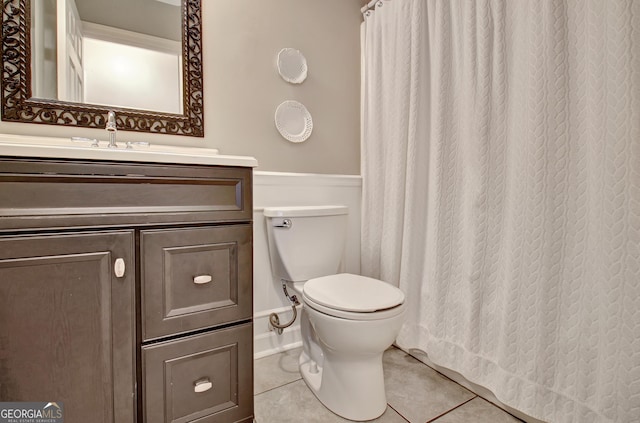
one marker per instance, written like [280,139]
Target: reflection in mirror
[122,53]
[69,62]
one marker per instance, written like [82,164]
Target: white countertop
[64,148]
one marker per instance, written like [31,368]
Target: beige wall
[241,39]
[246,36]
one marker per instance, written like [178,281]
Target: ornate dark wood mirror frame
[19,106]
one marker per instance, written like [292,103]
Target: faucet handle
[111,121]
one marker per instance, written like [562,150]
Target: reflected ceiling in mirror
[77,81]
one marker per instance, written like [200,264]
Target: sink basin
[31,146]
[171,149]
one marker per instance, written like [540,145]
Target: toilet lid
[353,293]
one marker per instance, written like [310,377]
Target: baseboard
[269,344]
[266,341]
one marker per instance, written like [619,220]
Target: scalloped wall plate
[293,121]
[292,65]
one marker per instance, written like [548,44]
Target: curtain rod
[369,6]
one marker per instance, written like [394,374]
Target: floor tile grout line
[459,384]
[500,408]
[398,413]
[449,411]
[437,371]
[276,387]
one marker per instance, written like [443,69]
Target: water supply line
[274,320]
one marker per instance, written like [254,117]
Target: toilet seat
[353,297]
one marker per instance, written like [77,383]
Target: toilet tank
[306,242]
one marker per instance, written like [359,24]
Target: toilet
[347,321]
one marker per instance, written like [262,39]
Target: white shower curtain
[501,165]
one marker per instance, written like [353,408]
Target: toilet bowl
[347,376]
[347,321]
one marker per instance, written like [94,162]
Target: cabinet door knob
[199,280]
[119,268]
[202,385]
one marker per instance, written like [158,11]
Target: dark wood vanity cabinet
[67,323]
[126,290]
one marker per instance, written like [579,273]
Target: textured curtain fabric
[501,165]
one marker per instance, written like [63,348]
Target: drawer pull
[199,280]
[202,385]
[119,267]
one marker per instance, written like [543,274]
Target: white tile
[295,403]
[275,370]
[415,393]
[418,392]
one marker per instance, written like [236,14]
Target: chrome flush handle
[286,224]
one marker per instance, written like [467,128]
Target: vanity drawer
[50,193]
[195,278]
[202,378]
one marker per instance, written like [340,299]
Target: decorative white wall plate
[293,121]
[292,65]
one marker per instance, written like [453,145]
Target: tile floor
[415,393]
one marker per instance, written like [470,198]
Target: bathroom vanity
[126,285]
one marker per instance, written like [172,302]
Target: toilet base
[352,388]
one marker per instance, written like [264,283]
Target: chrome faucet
[112,129]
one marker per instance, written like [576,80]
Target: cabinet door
[67,323]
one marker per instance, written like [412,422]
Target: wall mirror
[69,62]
